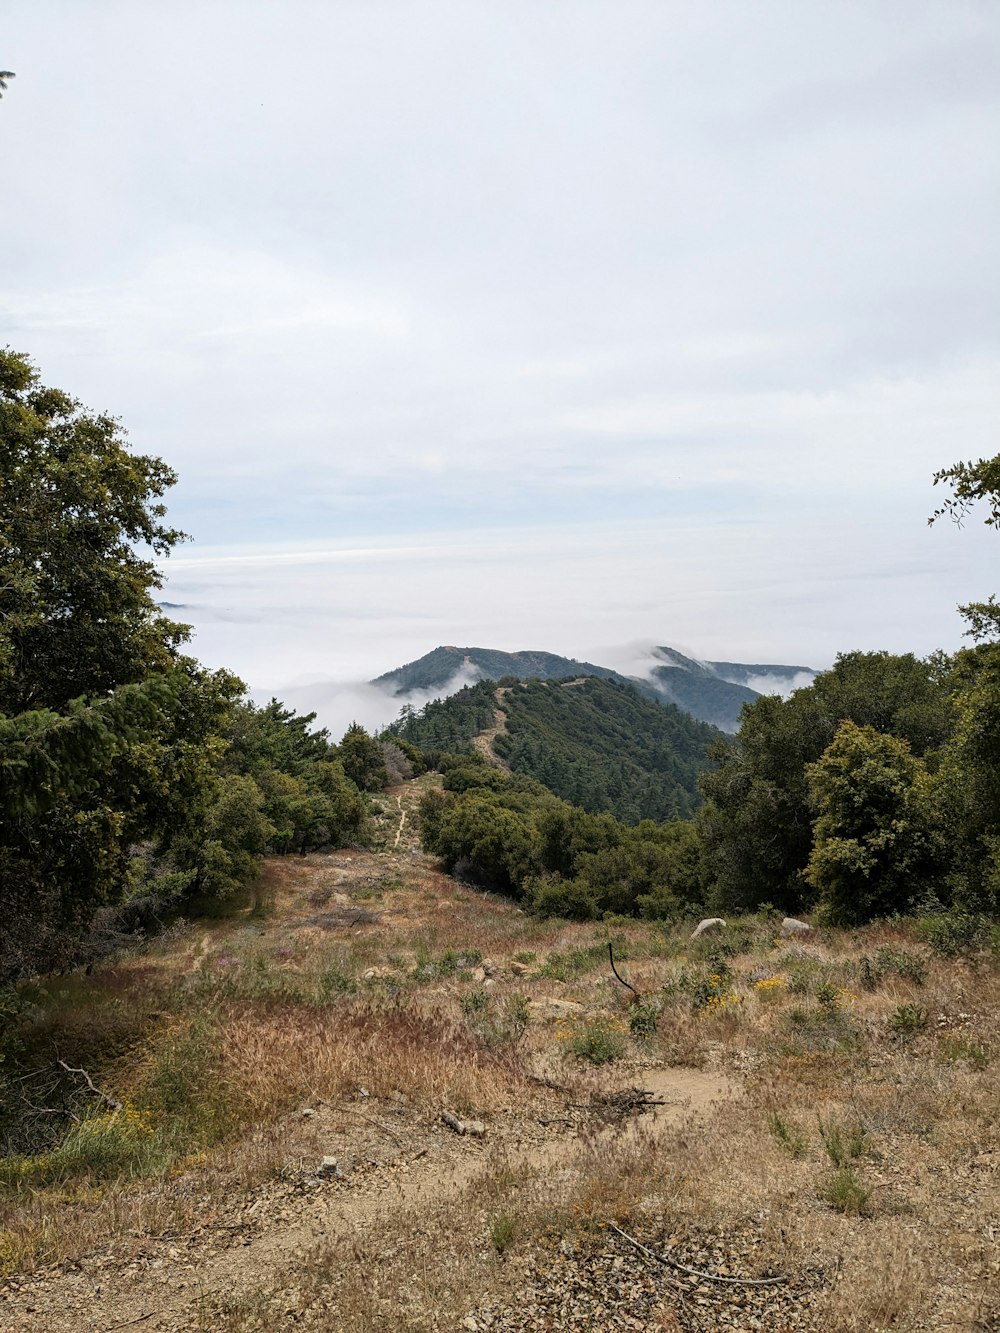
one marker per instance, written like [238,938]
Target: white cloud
[531,324]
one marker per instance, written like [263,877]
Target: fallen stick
[697,1272]
[113,1102]
[377,1123]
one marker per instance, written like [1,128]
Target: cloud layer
[526,325]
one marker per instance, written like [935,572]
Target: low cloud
[339,703]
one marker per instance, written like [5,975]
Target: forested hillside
[435,669]
[597,743]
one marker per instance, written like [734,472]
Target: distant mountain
[713,692]
[596,742]
[436,669]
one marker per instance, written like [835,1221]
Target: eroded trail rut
[168,1285]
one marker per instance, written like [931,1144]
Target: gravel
[600,1280]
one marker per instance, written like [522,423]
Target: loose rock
[792,926]
[710,923]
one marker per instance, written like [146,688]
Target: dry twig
[698,1272]
[113,1102]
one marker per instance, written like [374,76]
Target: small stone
[488,966]
[710,923]
[330,1167]
[307,1113]
[475,1127]
[471,1324]
[519,969]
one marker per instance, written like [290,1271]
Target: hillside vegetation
[594,742]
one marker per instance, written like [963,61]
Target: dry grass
[358,973]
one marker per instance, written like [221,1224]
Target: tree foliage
[878,844]
[757,822]
[77,616]
[128,771]
[513,836]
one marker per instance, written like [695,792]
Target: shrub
[842,1142]
[333,983]
[108,1146]
[643,1018]
[951,933]
[791,1136]
[964,1048]
[475,1001]
[844,1191]
[503,1232]
[908,1020]
[569,898]
[597,1040]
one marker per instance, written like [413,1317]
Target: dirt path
[402,823]
[484,741]
[397,1158]
[165,1288]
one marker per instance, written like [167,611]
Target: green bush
[643,1017]
[908,1020]
[567,898]
[952,933]
[111,1145]
[598,1040]
[843,1190]
[791,1136]
[842,1142]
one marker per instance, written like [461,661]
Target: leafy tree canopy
[77,616]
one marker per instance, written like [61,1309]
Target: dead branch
[611,955]
[113,1102]
[697,1272]
[377,1123]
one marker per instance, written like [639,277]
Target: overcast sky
[524,323]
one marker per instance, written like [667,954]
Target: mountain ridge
[712,692]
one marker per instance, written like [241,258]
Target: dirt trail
[484,741]
[165,1288]
[397,1157]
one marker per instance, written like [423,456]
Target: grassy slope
[357,995]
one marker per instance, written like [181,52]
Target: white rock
[475,1127]
[792,926]
[709,923]
[330,1167]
